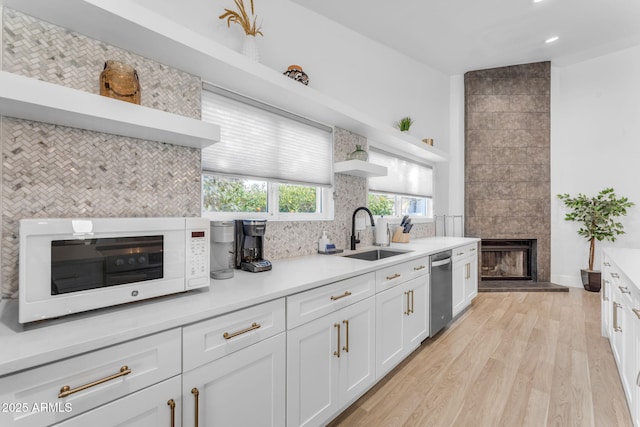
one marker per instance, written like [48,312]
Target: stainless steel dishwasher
[440,300]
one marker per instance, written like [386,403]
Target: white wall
[340,63]
[595,143]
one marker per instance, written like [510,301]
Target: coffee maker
[222,254]
[250,245]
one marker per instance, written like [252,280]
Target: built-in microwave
[72,265]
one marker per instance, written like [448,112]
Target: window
[268,163]
[406,190]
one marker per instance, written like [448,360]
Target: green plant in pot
[598,217]
[404,124]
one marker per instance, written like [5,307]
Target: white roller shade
[403,176]
[260,141]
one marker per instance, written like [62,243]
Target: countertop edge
[25,347]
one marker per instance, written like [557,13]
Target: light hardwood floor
[513,359]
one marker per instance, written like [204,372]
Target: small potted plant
[598,217]
[404,124]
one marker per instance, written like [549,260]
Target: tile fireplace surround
[507,159]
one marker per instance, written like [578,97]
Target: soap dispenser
[323,242]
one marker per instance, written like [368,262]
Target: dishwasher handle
[440,262]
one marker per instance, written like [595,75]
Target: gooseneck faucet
[355,240]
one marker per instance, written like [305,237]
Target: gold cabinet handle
[337,352]
[604,297]
[67,390]
[172,405]
[421,267]
[616,327]
[393,276]
[228,336]
[346,294]
[411,291]
[615,275]
[196,394]
[472,249]
[638,379]
[408,312]
[606,264]
[636,311]
[346,344]
[624,289]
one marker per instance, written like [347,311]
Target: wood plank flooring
[512,359]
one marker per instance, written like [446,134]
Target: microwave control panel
[198,256]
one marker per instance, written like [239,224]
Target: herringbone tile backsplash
[54,171]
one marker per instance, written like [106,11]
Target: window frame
[416,219]
[325,202]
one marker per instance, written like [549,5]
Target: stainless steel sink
[376,254]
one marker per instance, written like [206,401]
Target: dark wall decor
[507,159]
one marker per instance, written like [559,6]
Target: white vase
[250,48]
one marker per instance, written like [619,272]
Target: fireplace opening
[508,259]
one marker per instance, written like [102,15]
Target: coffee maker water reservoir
[222,255]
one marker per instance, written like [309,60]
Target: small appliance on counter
[250,245]
[223,249]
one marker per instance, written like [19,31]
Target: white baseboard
[566,280]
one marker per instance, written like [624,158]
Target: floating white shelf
[31,99]
[140,30]
[359,168]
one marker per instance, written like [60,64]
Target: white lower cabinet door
[417,322]
[391,309]
[312,371]
[357,368]
[471,284]
[158,405]
[245,388]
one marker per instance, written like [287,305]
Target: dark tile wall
[507,159]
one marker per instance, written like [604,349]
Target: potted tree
[598,217]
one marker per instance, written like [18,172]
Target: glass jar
[359,154]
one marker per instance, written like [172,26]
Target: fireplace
[508,259]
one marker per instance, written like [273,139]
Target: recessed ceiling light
[551,40]
[537,1]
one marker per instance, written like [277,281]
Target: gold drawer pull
[615,275]
[228,336]
[196,395]
[606,264]
[172,405]
[66,390]
[422,267]
[624,289]
[459,253]
[636,311]
[616,327]
[394,276]
[346,294]
[346,346]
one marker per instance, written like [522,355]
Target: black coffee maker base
[256,266]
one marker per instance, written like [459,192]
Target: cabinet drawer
[391,276]
[309,305]
[148,407]
[464,251]
[150,360]
[215,338]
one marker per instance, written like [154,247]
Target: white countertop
[628,261]
[26,346]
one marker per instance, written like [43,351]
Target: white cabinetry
[465,277]
[621,324]
[235,368]
[87,381]
[402,312]
[330,359]
[402,322]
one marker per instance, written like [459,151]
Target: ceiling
[455,36]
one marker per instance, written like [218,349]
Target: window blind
[403,176]
[257,140]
